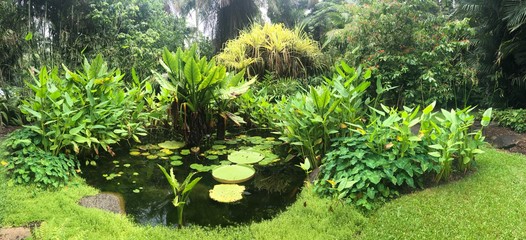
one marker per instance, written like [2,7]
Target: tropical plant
[288,12]
[83,111]
[28,163]
[193,82]
[181,191]
[398,150]
[499,48]
[272,48]
[452,140]
[229,89]
[308,121]
[256,107]
[512,118]
[196,84]
[9,111]
[412,49]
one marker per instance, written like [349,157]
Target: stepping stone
[15,233]
[506,141]
[111,202]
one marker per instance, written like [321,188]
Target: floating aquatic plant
[166,151]
[245,157]
[202,168]
[227,193]
[135,153]
[212,157]
[218,147]
[176,163]
[233,173]
[171,145]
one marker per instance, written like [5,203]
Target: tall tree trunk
[232,18]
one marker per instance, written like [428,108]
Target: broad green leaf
[436,146]
[429,108]
[486,117]
[191,73]
[435,154]
[188,187]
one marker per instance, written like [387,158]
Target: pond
[148,195]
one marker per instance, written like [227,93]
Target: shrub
[272,48]
[376,161]
[414,51]
[512,118]
[9,112]
[83,111]
[28,163]
[309,120]
[202,89]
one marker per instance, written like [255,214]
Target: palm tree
[224,18]
[500,48]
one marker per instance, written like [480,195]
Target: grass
[489,204]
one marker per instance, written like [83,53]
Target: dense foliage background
[85,75]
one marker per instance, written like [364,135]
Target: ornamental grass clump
[272,48]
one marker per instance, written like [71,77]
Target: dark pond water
[148,195]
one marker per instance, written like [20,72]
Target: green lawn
[489,204]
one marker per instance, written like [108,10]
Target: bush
[202,89]
[512,118]
[85,111]
[412,50]
[9,112]
[309,120]
[272,48]
[28,163]
[375,162]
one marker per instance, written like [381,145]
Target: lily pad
[166,151]
[145,154]
[135,174]
[135,153]
[202,168]
[136,191]
[151,157]
[176,157]
[225,162]
[233,173]
[245,157]
[212,157]
[171,145]
[218,147]
[185,152]
[176,163]
[227,193]
[127,165]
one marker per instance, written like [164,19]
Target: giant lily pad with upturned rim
[171,145]
[227,193]
[233,173]
[245,157]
